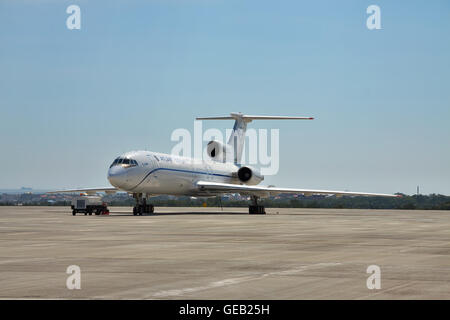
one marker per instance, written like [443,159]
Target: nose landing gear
[141,206]
[141,209]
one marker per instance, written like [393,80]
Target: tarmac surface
[206,253]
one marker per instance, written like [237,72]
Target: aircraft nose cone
[117,176]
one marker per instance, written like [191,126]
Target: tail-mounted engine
[249,175]
[218,151]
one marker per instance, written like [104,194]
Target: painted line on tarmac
[234,281]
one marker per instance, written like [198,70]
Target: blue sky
[72,100]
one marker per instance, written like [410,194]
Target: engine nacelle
[218,151]
[249,175]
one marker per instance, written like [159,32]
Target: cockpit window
[125,162]
[116,161]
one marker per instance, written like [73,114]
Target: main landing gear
[141,206]
[254,208]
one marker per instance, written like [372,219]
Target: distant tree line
[422,202]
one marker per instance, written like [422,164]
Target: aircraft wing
[88,190]
[265,191]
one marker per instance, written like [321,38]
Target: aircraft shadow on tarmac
[331,214]
[123,214]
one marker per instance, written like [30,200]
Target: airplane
[145,173]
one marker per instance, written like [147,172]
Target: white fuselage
[155,173]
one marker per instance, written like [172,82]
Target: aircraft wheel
[256,210]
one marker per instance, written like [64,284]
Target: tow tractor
[89,204]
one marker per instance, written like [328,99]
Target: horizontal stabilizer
[248,118]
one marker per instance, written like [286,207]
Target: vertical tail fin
[237,138]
